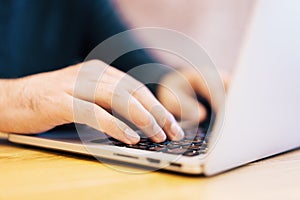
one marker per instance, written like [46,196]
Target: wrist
[11,90]
[11,103]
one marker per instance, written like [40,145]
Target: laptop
[261,108]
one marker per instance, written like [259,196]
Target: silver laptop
[261,109]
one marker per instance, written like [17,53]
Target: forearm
[19,105]
[12,103]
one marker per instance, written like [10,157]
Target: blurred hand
[178,93]
[40,102]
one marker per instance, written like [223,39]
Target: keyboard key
[176,151]
[193,144]
[191,153]
[157,148]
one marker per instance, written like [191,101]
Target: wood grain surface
[34,173]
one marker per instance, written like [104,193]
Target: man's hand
[40,102]
[178,92]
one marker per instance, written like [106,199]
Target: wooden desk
[32,173]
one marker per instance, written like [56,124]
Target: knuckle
[119,94]
[95,62]
[142,89]
[159,112]
[162,116]
[144,121]
[164,119]
[107,92]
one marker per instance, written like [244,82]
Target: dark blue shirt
[38,36]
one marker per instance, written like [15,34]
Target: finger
[163,117]
[96,117]
[113,81]
[131,109]
[191,109]
[109,90]
[145,111]
[199,83]
[183,104]
[191,82]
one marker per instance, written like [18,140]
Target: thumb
[186,107]
[190,108]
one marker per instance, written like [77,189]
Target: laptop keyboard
[192,144]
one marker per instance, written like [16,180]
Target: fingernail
[157,134]
[132,135]
[159,137]
[177,131]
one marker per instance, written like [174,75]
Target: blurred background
[217,25]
